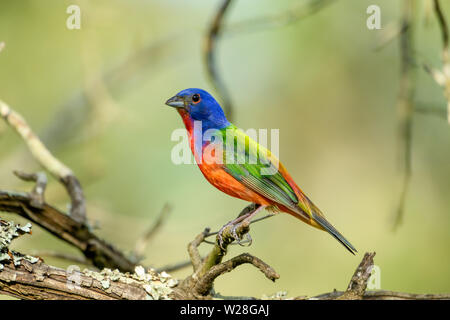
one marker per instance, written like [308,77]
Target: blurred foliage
[319,81]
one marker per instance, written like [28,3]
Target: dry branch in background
[211,39]
[405,103]
[59,170]
[71,228]
[121,79]
[442,77]
[406,106]
[298,11]
[63,256]
[217,29]
[424,108]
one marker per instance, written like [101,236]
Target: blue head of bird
[198,105]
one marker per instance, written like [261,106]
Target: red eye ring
[196,98]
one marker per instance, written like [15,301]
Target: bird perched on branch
[237,165]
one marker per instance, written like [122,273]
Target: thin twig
[204,285]
[217,28]
[37,194]
[435,111]
[297,12]
[444,28]
[175,266]
[63,256]
[144,240]
[442,78]
[210,46]
[59,170]
[405,104]
[121,79]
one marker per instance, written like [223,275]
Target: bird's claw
[220,240]
[249,239]
[220,235]
[237,238]
[234,234]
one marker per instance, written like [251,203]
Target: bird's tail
[325,225]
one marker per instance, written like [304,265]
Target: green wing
[250,163]
[249,159]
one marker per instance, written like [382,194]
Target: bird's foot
[220,234]
[238,238]
[235,225]
[241,222]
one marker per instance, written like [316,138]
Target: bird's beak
[176,102]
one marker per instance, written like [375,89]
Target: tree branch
[59,170]
[38,281]
[27,277]
[204,285]
[100,253]
[199,285]
[358,283]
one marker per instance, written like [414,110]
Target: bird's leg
[246,222]
[230,223]
[244,216]
[248,209]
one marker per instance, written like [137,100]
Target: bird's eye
[196,98]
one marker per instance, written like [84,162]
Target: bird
[246,169]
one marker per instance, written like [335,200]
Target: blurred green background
[319,80]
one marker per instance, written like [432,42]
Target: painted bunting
[237,165]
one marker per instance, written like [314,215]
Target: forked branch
[44,157]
